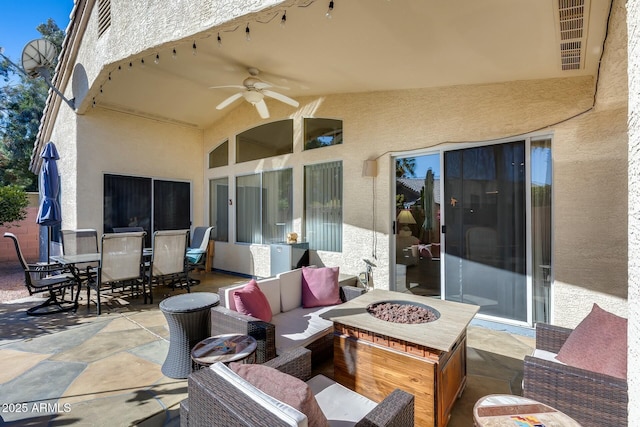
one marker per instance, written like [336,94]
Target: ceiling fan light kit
[253,91]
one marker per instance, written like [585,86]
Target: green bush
[13,204]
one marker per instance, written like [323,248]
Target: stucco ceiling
[367,45]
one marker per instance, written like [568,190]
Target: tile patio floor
[87,370]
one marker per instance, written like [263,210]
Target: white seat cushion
[341,406]
[546,355]
[290,289]
[291,416]
[300,327]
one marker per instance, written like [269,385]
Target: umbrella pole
[48,244]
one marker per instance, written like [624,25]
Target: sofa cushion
[269,287]
[289,415]
[341,406]
[598,344]
[300,327]
[251,301]
[320,286]
[290,289]
[285,388]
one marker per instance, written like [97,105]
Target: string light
[219,40]
[194,49]
[130,66]
[110,74]
[328,15]
[157,60]
[142,62]
[100,89]
[174,54]
[247,33]
[283,21]
[93,103]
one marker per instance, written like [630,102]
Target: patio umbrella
[49,211]
[427,201]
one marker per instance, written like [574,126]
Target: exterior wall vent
[571,21]
[104,16]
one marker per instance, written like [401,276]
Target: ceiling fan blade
[280,97]
[262,85]
[229,100]
[261,106]
[227,86]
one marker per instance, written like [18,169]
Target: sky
[19,19]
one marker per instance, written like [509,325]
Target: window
[218,208]
[271,139]
[323,206]
[131,201]
[322,133]
[219,156]
[264,206]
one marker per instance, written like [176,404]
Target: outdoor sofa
[289,324]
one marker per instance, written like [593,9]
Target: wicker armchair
[225,321]
[213,401]
[590,398]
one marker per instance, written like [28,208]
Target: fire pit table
[428,358]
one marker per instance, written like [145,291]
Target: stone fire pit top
[440,335]
[403,312]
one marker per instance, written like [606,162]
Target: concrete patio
[84,369]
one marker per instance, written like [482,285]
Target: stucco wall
[111,142]
[633,22]
[376,125]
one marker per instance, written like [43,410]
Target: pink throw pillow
[251,301]
[286,388]
[598,344]
[320,286]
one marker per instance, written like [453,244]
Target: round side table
[188,319]
[507,410]
[224,348]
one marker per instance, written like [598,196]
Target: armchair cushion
[251,301]
[285,388]
[320,286]
[598,344]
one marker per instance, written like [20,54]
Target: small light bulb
[157,60]
[247,33]
[110,74]
[194,49]
[142,62]
[93,103]
[330,10]
[100,89]
[130,66]
[174,54]
[283,21]
[219,40]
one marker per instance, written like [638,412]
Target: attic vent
[104,16]
[571,20]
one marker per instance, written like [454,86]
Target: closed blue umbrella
[49,211]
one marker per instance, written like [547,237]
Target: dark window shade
[171,205]
[128,202]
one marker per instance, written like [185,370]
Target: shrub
[13,204]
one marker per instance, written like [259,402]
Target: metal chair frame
[47,277]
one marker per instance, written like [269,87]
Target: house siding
[633,23]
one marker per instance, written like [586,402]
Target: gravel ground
[12,282]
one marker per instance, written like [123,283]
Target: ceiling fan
[254,91]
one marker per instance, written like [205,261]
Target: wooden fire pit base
[374,365]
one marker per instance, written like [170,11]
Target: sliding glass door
[485,247]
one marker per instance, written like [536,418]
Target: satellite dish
[37,56]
